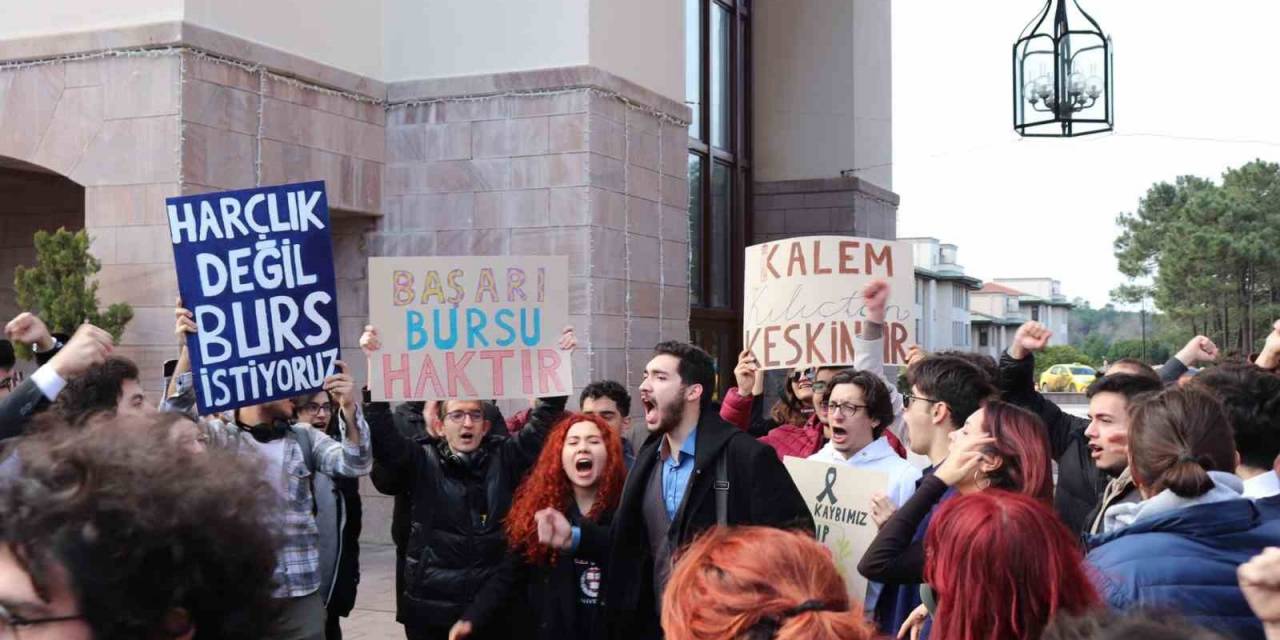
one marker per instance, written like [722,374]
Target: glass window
[983,338]
[721,71]
[695,229]
[719,261]
[1035,312]
[693,12]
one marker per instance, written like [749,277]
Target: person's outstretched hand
[87,348]
[1030,338]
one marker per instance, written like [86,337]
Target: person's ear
[625,421]
[941,413]
[990,464]
[693,392]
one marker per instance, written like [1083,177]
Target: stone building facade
[544,127]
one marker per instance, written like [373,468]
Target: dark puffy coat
[1185,561]
[760,493]
[457,505]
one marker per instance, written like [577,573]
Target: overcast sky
[1014,207]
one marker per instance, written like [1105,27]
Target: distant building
[1002,305]
[941,297]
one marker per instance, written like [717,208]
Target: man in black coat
[1091,453]
[670,494]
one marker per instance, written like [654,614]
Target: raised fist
[875,296]
[1199,349]
[746,373]
[1030,338]
[88,348]
[28,328]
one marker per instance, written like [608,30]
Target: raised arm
[353,457]
[869,345]
[1017,386]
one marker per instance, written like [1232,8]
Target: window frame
[707,322]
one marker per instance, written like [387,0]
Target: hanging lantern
[1062,75]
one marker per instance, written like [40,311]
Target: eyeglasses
[803,374]
[460,417]
[315,407]
[908,399]
[10,620]
[819,387]
[847,410]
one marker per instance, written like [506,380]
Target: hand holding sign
[881,508]
[747,373]
[341,386]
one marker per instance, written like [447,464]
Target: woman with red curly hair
[1001,566]
[580,473]
[758,583]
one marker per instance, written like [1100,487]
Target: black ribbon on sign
[827,492]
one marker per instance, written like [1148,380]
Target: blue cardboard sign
[255,267]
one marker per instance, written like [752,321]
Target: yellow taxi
[1070,378]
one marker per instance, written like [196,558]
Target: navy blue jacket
[1185,561]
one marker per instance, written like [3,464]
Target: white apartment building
[942,296]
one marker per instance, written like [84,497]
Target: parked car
[1069,378]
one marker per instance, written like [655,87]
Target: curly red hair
[759,582]
[547,486]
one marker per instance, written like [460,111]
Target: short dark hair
[142,529]
[1128,385]
[1147,371]
[696,366]
[875,393]
[7,359]
[1251,397]
[952,380]
[610,389]
[985,363]
[98,389]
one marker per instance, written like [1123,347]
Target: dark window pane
[693,63]
[720,73]
[719,263]
[695,229]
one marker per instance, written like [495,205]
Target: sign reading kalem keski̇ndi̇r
[469,327]
[255,267]
[804,299]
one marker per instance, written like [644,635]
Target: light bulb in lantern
[1044,88]
[1094,87]
[1030,92]
[1075,83]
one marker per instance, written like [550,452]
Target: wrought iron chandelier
[1062,75]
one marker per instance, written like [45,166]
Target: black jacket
[564,599]
[456,540]
[1080,482]
[760,493]
[342,598]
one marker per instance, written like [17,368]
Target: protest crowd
[1001,516]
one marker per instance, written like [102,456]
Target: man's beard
[672,414]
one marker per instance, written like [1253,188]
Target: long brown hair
[546,486]
[1176,437]
[789,409]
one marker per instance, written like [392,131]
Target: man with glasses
[859,412]
[461,482]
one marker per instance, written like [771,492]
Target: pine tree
[60,287]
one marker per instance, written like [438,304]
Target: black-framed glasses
[846,409]
[908,399]
[460,417]
[10,620]
[316,407]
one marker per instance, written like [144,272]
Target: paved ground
[375,612]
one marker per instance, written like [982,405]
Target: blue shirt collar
[688,448]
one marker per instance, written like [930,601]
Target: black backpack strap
[722,488]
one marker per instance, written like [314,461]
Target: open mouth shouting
[1095,450]
[839,435]
[650,409]
[584,466]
